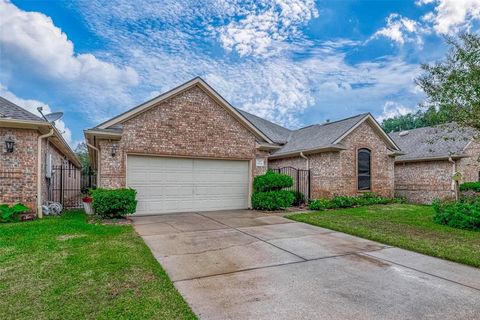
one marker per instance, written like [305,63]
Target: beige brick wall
[422,182]
[260,155]
[18,170]
[470,167]
[336,172]
[190,124]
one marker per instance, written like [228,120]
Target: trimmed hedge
[268,193]
[271,181]
[111,203]
[272,200]
[462,214]
[365,199]
[470,186]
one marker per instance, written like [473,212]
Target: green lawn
[65,268]
[403,225]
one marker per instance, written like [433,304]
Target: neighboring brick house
[22,177]
[345,157]
[432,156]
[190,150]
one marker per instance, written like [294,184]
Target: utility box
[48,166]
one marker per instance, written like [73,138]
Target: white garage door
[166,185]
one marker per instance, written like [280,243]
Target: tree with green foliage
[453,85]
[82,153]
[419,119]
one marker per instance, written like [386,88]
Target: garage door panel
[166,185]
[224,190]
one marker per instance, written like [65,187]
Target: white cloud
[170,44]
[32,105]
[451,16]
[394,109]
[32,46]
[261,32]
[400,29]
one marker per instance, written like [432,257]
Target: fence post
[61,185]
[309,185]
[298,180]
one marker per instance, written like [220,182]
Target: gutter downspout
[39,171]
[454,183]
[98,160]
[306,158]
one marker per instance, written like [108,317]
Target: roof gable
[114,122]
[371,120]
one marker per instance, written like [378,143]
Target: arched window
[364,169]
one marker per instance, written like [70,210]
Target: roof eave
[23,124]
[439,158]
[102,134]
[267,146]
[44,127]
[329,148]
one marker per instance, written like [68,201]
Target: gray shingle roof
[276,133]
[10,110]
[319,135]
[432,142]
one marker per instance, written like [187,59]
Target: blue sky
[291,61]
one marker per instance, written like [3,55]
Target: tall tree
[453,85]
[419,119]
[82,153]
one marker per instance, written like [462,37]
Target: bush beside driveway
[65,268]
[403,225]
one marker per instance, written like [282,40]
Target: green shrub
[365,199]
[345,202]
[299,197]
[114,203]
[272,200]
[271,181]
[11,213]
[470,186]
[463,214]
[321,204]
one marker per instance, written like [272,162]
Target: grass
[65,268]
[403,225]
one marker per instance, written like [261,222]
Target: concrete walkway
[248,265]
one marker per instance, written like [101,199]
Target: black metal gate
[67,184]
[301,181]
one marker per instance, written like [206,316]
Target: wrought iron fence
[67,184]
[301,181]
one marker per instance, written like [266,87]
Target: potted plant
[87,204]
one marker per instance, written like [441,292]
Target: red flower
[87,199]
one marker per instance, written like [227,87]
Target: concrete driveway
[248,265]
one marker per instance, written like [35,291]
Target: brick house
[190,150]
[432,156]
[30,147]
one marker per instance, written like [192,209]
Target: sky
[293,62]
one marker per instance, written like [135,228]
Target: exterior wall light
[9,145]
[114,150]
